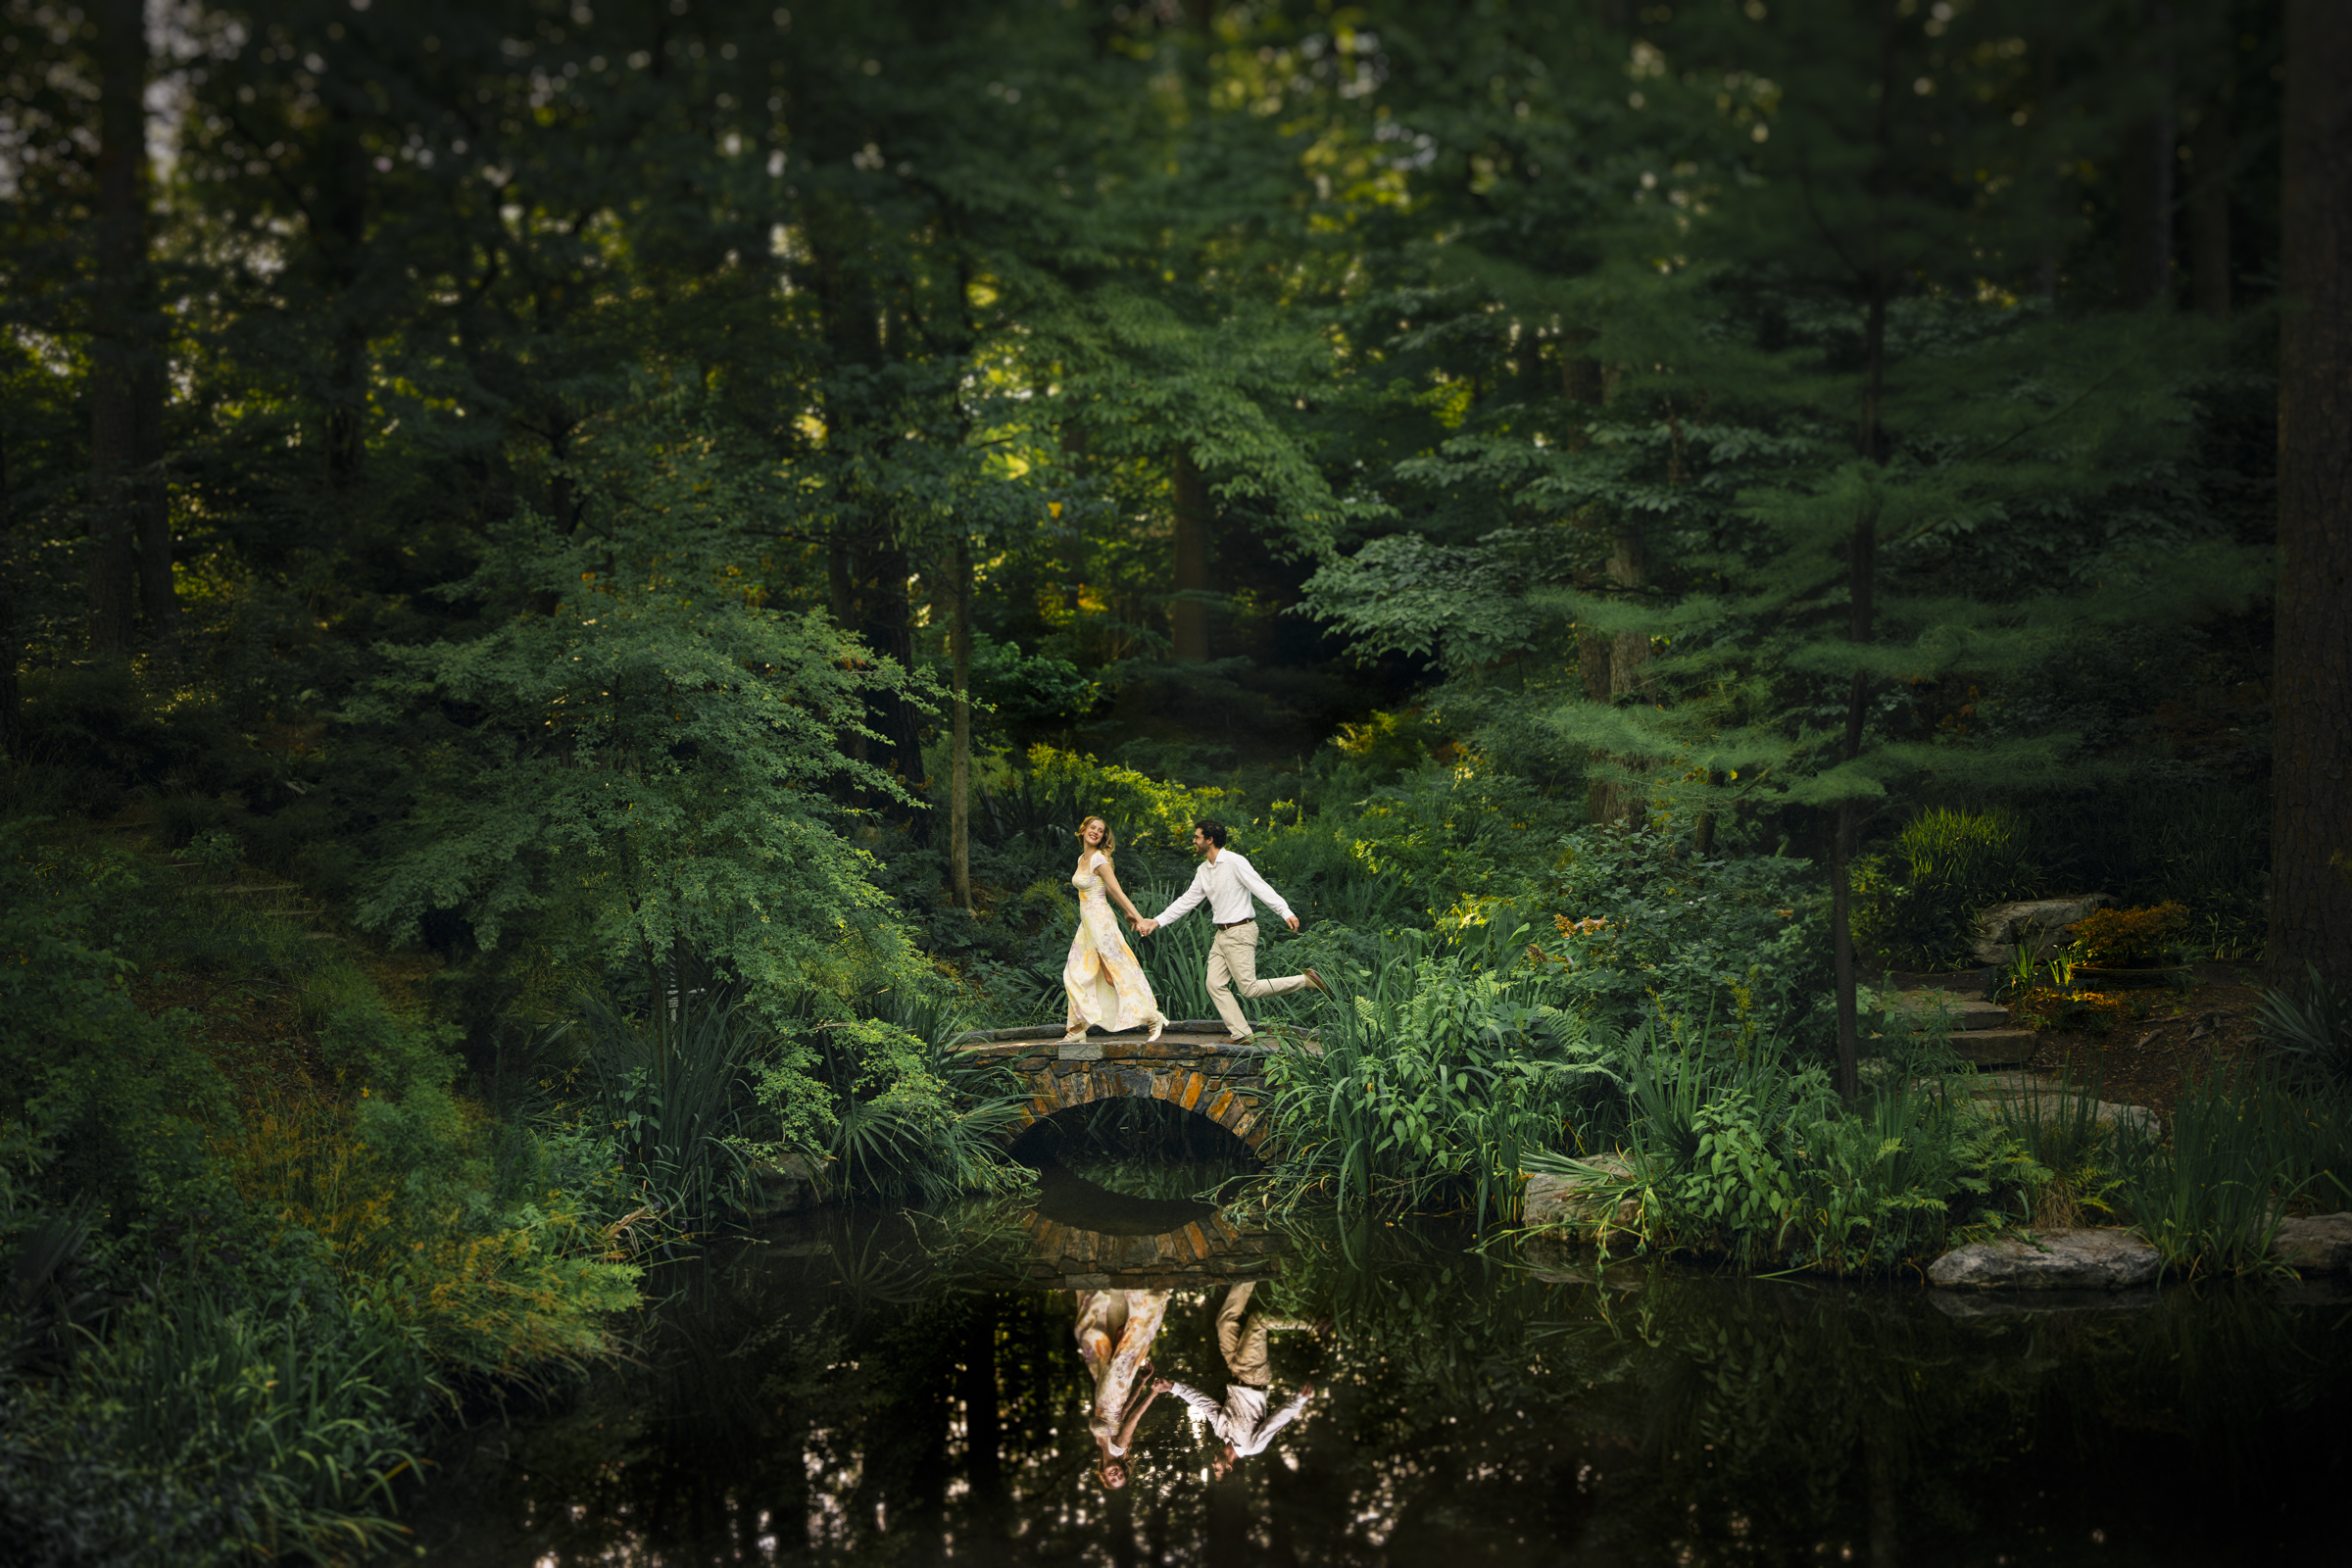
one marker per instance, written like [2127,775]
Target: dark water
[902,1388]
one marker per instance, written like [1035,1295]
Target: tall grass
[1435,1080]
[208,1433]
[935,1122]
[2211,1197]
[1731,1150]
[671,1076]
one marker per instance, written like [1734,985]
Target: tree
[640,770]
[2311,833]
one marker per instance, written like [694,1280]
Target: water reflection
[894,1388]
[1115,1331]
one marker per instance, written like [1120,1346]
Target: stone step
[1957,1011]
[2050,1099]
[1995,1048]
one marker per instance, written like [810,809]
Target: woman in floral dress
[1115,1331]
[1107,986]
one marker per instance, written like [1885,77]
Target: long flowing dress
[1115,1331]
[1107,986]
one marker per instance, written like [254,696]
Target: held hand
[1291,921]
[1161,1385]
[1145,928]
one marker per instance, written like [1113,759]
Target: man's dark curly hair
[1214,832]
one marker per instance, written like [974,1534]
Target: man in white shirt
[1246,1420]
[1227,882]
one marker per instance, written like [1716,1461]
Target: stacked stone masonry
[1207,1252]
[1187,1067]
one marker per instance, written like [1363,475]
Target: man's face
[1199,842]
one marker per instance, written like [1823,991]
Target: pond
[860,1386]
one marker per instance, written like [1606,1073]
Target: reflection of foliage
[1464,1404]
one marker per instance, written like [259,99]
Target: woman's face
[1114,1474]
[1093,831]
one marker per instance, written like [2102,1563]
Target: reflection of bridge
[1208,1252]
[1191,1066]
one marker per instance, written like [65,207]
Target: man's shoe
[1315,982]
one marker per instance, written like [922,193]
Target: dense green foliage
[1572,486]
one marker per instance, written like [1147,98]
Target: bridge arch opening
[1126,1130]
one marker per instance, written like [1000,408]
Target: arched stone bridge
[1192,1065]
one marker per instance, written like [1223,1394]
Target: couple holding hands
[1107,986]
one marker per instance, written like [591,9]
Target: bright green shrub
[1630,925]
[1436,1079]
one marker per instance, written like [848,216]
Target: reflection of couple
[1107,986]
[1115,1331]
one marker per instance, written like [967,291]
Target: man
[1242,1420]
[1227,882]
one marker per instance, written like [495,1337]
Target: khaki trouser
[1242,1336]
[1233,967]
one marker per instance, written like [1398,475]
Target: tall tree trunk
[341,219]
[1188,616]
[959,770]
[12,695]
[1861,584]
[1628,572]
[2209,212]
[158,599]
[2143,264]
[116,351]
[2311,813]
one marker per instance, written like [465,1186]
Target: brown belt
[1227,925]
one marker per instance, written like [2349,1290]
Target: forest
[570,569]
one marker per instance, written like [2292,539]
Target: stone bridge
[1193,1066]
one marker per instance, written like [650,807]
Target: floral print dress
[1107,986]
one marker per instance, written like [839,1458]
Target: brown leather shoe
[1315,982]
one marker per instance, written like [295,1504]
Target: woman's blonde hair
[1110,840]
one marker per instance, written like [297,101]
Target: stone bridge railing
[1193,1066]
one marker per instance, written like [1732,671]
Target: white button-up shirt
[1241,1420]
[1226,882]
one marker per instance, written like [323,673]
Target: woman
[1115,1331]
[1107,986]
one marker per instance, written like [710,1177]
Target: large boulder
[2319,1244]
[2061,1260]
[783,1186]
[1583,1203]
[2035,924]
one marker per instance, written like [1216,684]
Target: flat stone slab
[1996,1047]
[1921,1008]
[2317,1243]
[2055,1260]
[2048,1100]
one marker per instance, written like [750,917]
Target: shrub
[1916,902]
[2211,1196]
[2152,933]
[1632,923]
[1436,1079]
[210,1434]
[2315,1032]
